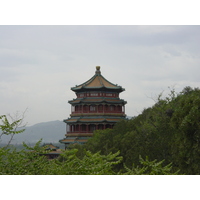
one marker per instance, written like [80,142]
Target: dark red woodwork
[97,107]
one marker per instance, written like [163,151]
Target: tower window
[92,108]
[93,94]
[111,108]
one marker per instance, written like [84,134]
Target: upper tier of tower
[97,83]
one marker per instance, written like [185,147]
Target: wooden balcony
[97,112]
[80,134]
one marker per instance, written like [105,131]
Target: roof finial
[98,70]
[98,67]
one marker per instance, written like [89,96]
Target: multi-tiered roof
[97,83]
[97,106]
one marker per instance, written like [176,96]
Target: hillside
[168,132]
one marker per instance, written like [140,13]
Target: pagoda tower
[97,106]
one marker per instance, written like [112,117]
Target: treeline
[163,139]
[169,131]
[20,146]
[34,160]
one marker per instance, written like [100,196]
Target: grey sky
[39,64]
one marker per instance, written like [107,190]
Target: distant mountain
[51,131]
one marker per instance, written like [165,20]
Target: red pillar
[79,128]
[70,128]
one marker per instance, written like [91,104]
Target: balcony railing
[85,112]
[72,132]
[79,133]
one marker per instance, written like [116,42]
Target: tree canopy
[169,131]
[163,139]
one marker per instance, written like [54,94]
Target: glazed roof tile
[97,82]
[84,100]
[93,119]
[72,120]
[73,140]
[68,140]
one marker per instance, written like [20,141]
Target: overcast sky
[39,65]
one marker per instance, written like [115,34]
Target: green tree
[169,131]
[32,161]
[186,124]
[151,168]
[12,128]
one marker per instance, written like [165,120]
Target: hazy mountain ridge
[51,131]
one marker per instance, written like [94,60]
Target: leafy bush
[169,131]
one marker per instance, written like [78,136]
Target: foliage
[22,162]
[33,161]
[10,128]
[169,131]
[186,123]
[90,164]
[166,134]
[151,168]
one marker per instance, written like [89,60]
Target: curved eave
[93,120]
[99,83]
[74,138]
[103,88]
[72,141]
[96,101]
[77,87]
